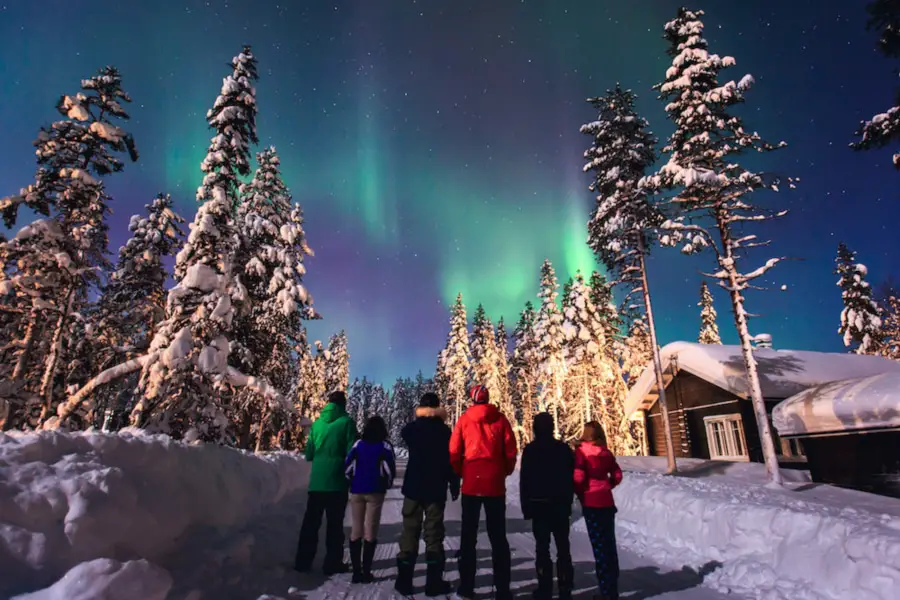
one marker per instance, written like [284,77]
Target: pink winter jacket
[596,474]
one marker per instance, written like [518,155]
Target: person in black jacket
[428,475]
[546,489]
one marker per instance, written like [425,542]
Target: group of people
[472,462]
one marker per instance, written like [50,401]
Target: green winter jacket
[330,439]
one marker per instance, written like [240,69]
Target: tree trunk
[740,321]
[657,363]
[30,335]
[260,434]
[46,391]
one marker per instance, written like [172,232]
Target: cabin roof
[842,406]
[782,373]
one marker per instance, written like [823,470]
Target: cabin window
[791,448]
[725,434]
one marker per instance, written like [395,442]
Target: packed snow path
[640,579]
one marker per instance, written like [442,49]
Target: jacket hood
[487,413]
[332,412]
[427,411]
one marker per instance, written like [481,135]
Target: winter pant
[552,523]
[601,527]
[333,505]
[365,513]
[414,513]
[495,516]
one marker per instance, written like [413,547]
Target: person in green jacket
[330,439]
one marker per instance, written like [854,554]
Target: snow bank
[67,498]
[107,579]
[767,544]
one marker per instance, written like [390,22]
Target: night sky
[434,145]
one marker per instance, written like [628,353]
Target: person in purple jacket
[370,467]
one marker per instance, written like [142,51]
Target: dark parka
[428,472]
[545,478]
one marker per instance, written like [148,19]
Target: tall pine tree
[525,372]
[55,261]
[337,363]
[884,128]
[861,316]
[625,221]
[454,361]
[710,198]
[709,330]
[504,399]
[549,336]
[485,355]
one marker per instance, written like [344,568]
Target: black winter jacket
[546,477]
[428,472]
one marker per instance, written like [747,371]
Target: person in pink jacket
[596,474]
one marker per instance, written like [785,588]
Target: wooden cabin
[850,430]
[710,412]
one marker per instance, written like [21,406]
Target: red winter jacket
[483,451]
[596,474]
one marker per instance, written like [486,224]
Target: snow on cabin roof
[782,373]
[849,405]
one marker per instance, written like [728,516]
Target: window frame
[725,437]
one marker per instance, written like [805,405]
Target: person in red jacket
[483,452]
[596,474]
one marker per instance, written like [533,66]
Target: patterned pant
[601,526]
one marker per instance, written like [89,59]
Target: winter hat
[338,397]
[429,400]
[479,394]
[543,425]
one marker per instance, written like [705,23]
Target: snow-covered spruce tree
[133,302]
[525,372]
[134,299]
[269,263]
[602,297]
[549,336]
[624,224]
[403,403]
[709,188]
[57,259]
[337,365]
[861,316]
[890,330]
[636,350]
[884,128]
[186,378]
[504,395]
[583,348]
[454,361]
[361,402]
[485,355]
[709,330]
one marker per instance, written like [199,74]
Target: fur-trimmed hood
[427,411]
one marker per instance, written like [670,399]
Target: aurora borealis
[434,144]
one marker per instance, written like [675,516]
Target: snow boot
[544,589]
[356,560]
[565,580]
[368,555]
[434,576]
[405,569]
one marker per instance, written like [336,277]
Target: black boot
[405,569]
[434,575]
[368,555]
[356,560]
[544,589]
[565,579]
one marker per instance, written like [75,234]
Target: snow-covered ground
[804,543]
[143,517]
